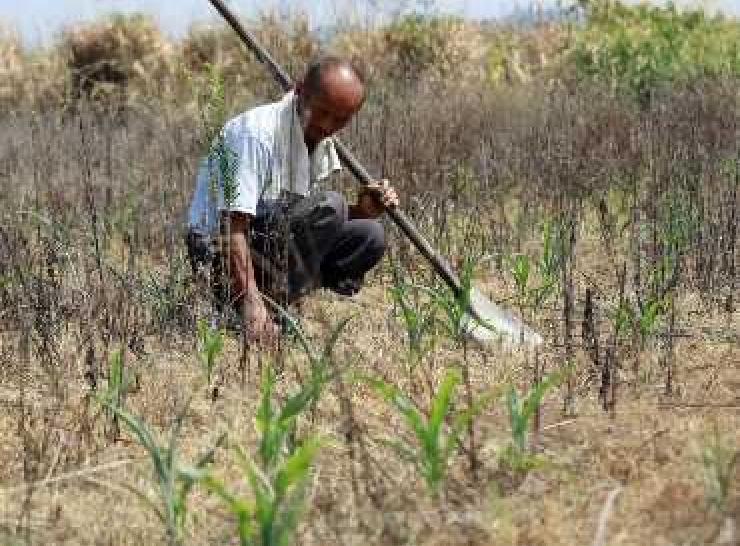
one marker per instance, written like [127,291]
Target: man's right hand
[257,323]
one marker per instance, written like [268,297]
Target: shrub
[290,43]
[418,48]
[120,52]
[515,56]
[640,48]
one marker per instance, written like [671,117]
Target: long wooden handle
[401,220]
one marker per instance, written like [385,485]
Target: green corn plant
[210,346]
[623,318]
[521,410]
[642,321]
[270,519]
[174,480]
[433,447]
[118,380]
[279,472]
[454,306]
[418,316]
[279,478]
[648,320]
[277,427]
[522,268]
[551,261]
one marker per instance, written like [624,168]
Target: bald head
[332,91]
[333,75]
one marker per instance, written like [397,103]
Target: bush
[639,49]
[515,56]
[419,48]
[122,52]
[290,43]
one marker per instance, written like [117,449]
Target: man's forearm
[240,260]
[242,271]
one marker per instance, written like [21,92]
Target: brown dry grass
[648,449]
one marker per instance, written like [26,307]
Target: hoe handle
[401,220]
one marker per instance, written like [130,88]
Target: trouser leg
[199,251]
[358,248]
[330,250]
[312,242]
[305,231]
[205,261]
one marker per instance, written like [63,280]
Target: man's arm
[256,319]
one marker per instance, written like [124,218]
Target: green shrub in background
[637,49]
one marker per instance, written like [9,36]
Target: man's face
[327,111]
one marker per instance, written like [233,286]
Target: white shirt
[263,153]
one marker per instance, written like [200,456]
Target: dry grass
[649,449]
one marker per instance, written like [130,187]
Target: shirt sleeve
[243,164]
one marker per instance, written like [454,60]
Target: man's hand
[373,198]
[258,324]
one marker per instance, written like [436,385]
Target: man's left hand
[374,198]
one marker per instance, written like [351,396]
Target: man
[257,201]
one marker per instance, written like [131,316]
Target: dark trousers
[301,244]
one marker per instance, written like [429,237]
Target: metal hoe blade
[489,324]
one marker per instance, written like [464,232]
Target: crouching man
[258,219]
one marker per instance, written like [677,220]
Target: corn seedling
[522,268]
[271,517]
[642,321]
[279,478]
[522,410]
[418,316]
[434,447]
[174,480]
[277,427]
[118,380]
[210,346]
[454,306]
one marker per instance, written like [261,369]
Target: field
[600,204]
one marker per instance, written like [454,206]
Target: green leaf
[439,410]
[405,406]
[296,467]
